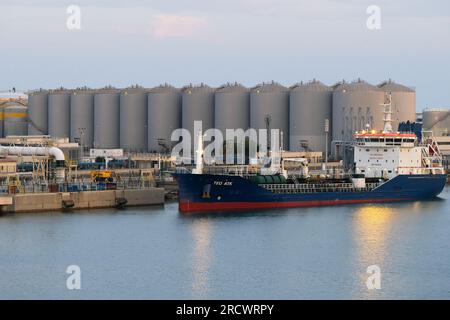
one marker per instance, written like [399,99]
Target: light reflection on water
[303,253]
[201,256]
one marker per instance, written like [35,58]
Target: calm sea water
[157,253]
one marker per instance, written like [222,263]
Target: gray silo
[436,120]
[356,107]
[59,113]
[38,113]
[232,107]
[164,116]
[403,102]
[133,119]
[15,119]
[106,119]
[82,117]
[310,105]
[197,105]
[269,104]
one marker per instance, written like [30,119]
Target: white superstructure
[384,155]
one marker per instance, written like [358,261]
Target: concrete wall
[33,202]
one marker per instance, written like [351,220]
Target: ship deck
[315,188]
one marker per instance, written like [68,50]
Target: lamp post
[327,129]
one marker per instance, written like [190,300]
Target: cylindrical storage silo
[133,119]
[82,117]
[436,120]
[232,108]
[164,116]
[38,113]
[106,119]
[3,104]
[59,113]
[197,105]
[356,106]
[15,119]
[403,102]
[309,108]
[269,107]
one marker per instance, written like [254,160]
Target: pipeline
[40,151]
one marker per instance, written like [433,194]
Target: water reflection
[201,256]
[371,230]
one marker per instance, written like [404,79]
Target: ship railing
[231,170]
[314,188]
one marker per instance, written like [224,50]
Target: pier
[56,201]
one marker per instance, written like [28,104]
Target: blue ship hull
[205,192]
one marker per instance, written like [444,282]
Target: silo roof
[269,87]
[164,88]
[232,87]
[313,85]
[390,85]
[135,89]
[200,87]
[358,85]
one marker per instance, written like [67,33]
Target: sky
[121,43]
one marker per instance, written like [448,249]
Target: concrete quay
[35,202]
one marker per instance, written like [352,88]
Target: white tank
[197,105]
[436,120]
[232,107]
[356,106]
[270,102]
[164,116]
[133,119]
[309,106]
[403,102]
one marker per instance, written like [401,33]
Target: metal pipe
[41,151]
[30,151]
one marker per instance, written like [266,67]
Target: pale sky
[211,41]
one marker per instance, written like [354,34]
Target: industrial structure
[357,106]
[311,115]
[232,107]
[133,119]
[164,116]
[82,117]
[310,107]
[38,112]
[59,113]
[269,109]
[106,118]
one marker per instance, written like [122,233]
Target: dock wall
[33,202]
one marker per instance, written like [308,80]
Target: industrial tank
[106,119]
[59,113]
[82,117]
[356,106]
[133,119]
[15,119]
[403,102]
[310,106]
[164,116]
[232,107]
[197,105]
[269,104]
[437,121]
[38,113]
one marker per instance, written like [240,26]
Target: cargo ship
[387,167]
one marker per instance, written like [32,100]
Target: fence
[32,187]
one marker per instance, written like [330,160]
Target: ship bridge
[374,139]
[387,154]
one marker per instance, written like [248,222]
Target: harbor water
[158,253]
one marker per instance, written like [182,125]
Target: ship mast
[387,113]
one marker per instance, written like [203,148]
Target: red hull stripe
[187,206]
